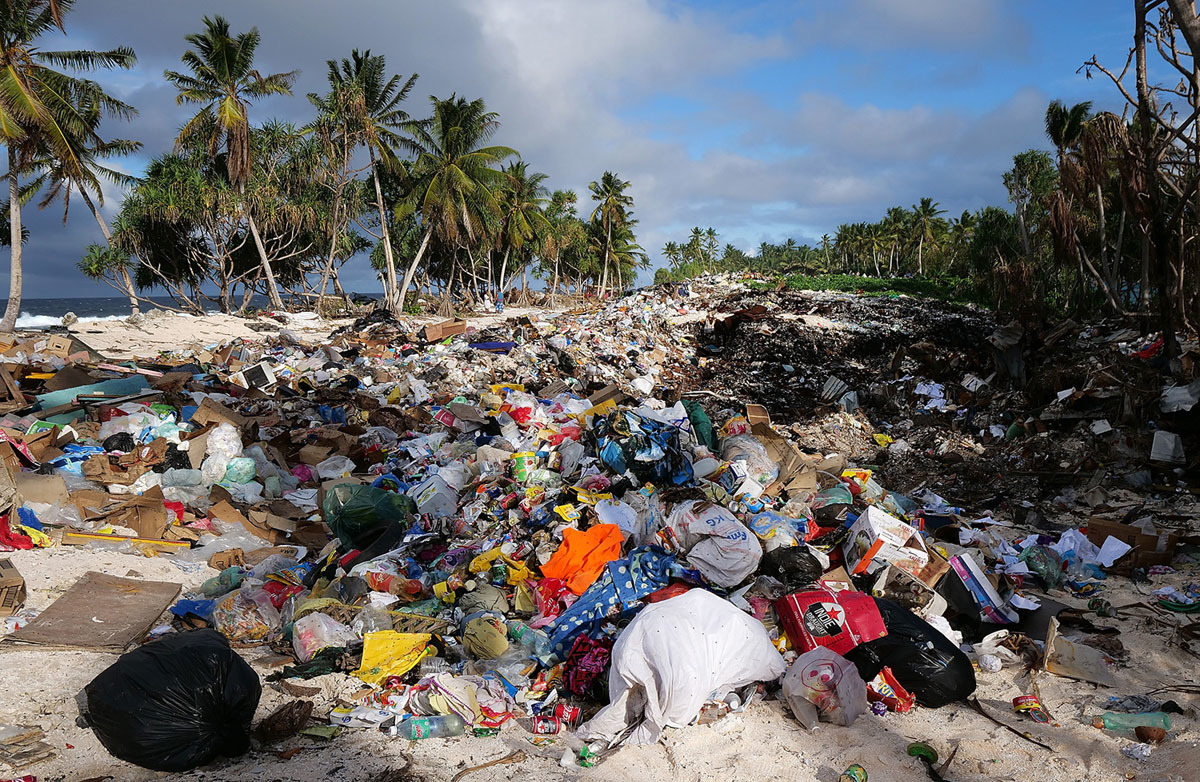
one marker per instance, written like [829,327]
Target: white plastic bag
[674,656]
[314,632]
[822,684]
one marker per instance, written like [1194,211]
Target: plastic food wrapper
[175,704]
[674,656]
[821,684]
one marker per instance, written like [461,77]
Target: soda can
[523,549]
[855,773]
[568,714]
[482,732]
[499,573]
[546,726]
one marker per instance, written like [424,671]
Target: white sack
[674,656]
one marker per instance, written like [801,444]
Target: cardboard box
[993,608]
[436,332]
[12,588]
[1148,550]
[879,539]
[838,621]
[58,345]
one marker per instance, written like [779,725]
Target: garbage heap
[538,526]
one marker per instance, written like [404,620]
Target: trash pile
[547,526]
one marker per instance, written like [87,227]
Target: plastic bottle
[535,641]
[438,727]
[1151,719]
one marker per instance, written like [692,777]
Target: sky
[765,120]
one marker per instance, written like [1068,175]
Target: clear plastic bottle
[437,727]
[1151,719]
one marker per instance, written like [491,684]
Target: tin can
[523,464]
[546,726]
[1029,704]
[568,714]
[1101,606]
[855,773]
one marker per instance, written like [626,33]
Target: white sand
[764,743]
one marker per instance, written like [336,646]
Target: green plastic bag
[701,425]
[359,514]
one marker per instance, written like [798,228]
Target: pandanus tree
[44,111]
[224,82]
[455,179]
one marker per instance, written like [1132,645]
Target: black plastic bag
[175,704]
[925,662]
[793,566]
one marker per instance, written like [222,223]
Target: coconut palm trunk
[268,272]
[13,310]
[392,297]
[412,268]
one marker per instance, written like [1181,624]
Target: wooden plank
[100,612]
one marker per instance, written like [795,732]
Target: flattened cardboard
[1076,661]
[100,612]
[48,489]
[227,559]
[211,411]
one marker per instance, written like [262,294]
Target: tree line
[239,208]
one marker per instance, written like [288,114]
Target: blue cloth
[615,595]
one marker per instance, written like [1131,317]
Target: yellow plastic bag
[389,653]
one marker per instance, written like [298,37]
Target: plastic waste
[175,704]
[358,514]
[313,632]
[437,727]
[821,684]
[1127,722]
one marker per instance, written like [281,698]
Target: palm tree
[43,111]
[370,99]
[522,201]
[224,81]
[671,252]
[83,171]
[612,210]
[927,224]
[1065,126]
[454,180]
